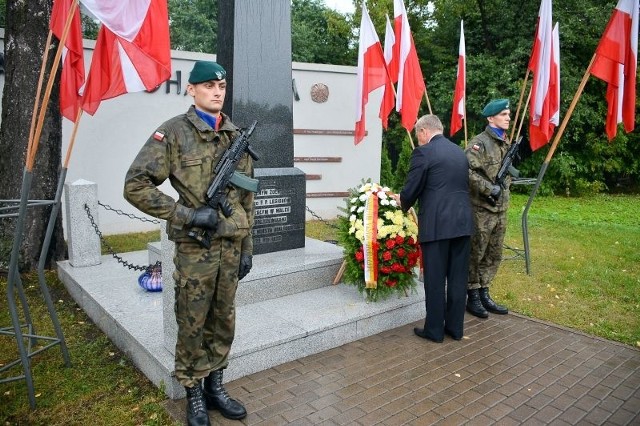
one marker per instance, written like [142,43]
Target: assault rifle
[506,167]
[225,174]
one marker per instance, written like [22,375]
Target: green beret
[205,71]
[495,107]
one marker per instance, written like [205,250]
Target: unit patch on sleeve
[476,147]
[159,136]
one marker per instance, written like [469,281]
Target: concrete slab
[299,313]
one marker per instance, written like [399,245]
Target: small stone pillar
[82,240]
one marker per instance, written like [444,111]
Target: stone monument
[254,46]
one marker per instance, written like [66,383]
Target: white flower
[352,218]
[353,208]
[354,200]
[366,187]
[386,189]
[363,197]
[384,202]
[393,203]
[360,209]
[382,195]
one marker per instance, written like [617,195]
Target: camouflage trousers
[486,246]
[205,289]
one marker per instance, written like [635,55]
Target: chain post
[108,246]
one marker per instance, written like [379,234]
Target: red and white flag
[554,81]
[616,63]
[132,52]
[372,72]
[391,59]
[459,98]
[72,75]
[411,86]
[545,87]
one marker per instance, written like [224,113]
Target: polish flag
[616,63]
[132,52]
[411,86]
[72,75]
[389,96]
[458,112]
[545,67]
[371,70]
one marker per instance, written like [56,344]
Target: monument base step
[268,332]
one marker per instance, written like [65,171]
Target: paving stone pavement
[508,370]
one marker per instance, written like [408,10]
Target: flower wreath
[380,243]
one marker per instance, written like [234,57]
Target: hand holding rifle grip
[225,174]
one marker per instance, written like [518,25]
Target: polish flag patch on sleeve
[476,147]
[159,136]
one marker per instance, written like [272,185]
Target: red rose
[411,241]
[386,255]
[396,267]
[390,244]
[359,256]
[385,270]
[391,283]
[401,252]
[399,239]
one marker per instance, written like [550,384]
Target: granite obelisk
[254,46]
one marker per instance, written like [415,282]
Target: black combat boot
[489,304]
[218,399]
[474,307]
[196,410]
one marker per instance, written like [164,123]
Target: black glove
[245,265]
[494,195]
[205,217]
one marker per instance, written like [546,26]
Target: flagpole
[526,105]
[427,98]
[552,150]
[464,118]
[524,85]
[33,143]
[36,103]
[73,139]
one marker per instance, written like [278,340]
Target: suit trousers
[446,271]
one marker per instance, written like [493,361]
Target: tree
[320,34]
[194,25]
[27,23]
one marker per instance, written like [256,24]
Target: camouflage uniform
[185,150]
[485,153]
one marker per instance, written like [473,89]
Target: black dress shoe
[421,333]
[453,336]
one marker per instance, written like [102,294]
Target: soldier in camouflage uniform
[185,149]
[490,203]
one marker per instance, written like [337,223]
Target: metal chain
[321,219]
[110,249]
[129,215]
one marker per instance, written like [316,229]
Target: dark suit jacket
[439,179]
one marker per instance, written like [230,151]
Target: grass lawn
[585,274]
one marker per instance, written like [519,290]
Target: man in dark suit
[439,179]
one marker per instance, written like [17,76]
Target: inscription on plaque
[273,209]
